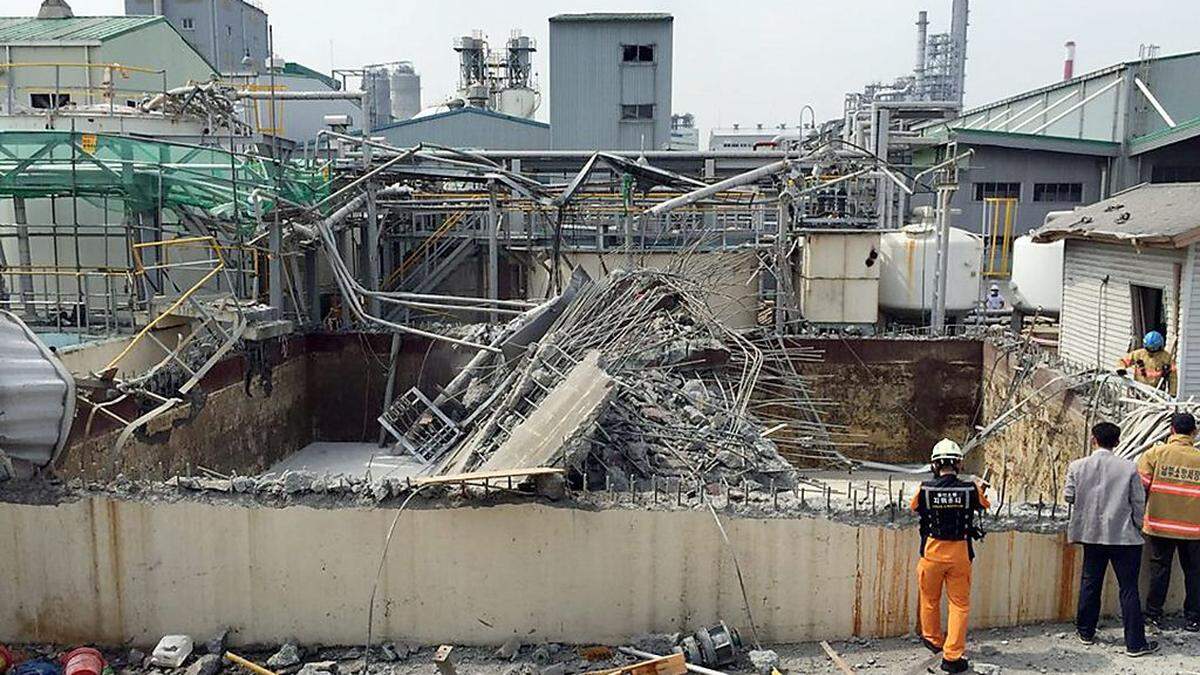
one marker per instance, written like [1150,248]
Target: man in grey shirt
[1109,502]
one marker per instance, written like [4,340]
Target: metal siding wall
[1027,167]
[1085,264]
[1174,83]
[1188,349]
[586,83]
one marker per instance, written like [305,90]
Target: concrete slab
[348,459]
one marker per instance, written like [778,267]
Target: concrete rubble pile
[633,384]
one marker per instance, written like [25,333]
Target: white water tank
[1037,276]
[517,101]
[908,263]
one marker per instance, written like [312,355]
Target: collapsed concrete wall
[323,388]
[1029,458]
[899,397]
[140,569]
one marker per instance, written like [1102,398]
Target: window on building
[188,23]
[641,111]
[997,190]
[637,53]
[1058,192]
[1175,174]
[229,31]
[48,102]
[1149,313]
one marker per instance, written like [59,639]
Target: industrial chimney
[55,9]
[922,39]
[1069,61]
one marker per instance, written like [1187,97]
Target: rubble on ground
[690,398]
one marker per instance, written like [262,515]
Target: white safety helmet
[946,449]
[994,287]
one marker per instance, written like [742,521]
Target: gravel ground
[1041,648]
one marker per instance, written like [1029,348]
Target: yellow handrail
[411,259]
[137,258]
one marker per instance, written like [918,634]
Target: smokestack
[922,39]
[1069,61]
[958,37]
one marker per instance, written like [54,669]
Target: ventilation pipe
[1069,61]
[158,7]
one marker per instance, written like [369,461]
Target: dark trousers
[1162,552]
[1126,563]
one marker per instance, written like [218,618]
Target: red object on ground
[6,659]
[83,661]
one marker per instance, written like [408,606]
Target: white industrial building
[1130,265]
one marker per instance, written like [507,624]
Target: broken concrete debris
[288,655]
[171,651]
[510,648]
[635,382]
[207,664]
[765,661]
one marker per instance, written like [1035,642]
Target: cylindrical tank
[908,270]
[1037,276]
[519,102]
[405,90]
[377,81]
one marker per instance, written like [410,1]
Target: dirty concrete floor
[1026,650]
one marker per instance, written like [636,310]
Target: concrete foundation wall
[123,571]
[898,396]
[324,388]
[1029,458]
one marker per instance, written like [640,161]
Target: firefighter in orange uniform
[948,506]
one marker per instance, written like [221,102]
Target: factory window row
[1058,192]
[993,190]
[641,111]
[1061,193]
[1175,174]
[637,53]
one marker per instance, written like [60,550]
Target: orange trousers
[956,577]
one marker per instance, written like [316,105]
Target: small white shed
[1130,266]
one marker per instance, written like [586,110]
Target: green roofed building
[74,61]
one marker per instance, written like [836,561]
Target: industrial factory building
[610,81]
[468,127]
[51,57]
[230,34]
[1077,141]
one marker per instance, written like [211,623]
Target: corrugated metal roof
[1164,214]
[615,16]
[79,28]
[37,396]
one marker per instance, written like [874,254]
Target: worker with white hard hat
[947,506]
[994,300]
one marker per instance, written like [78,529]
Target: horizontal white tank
[908,263]
[1037,276]
[517,101]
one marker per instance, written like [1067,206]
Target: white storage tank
[1037,276]
[908,270]
[838,280]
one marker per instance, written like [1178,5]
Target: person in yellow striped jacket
[1171,473]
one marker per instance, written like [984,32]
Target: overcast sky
[755,61]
